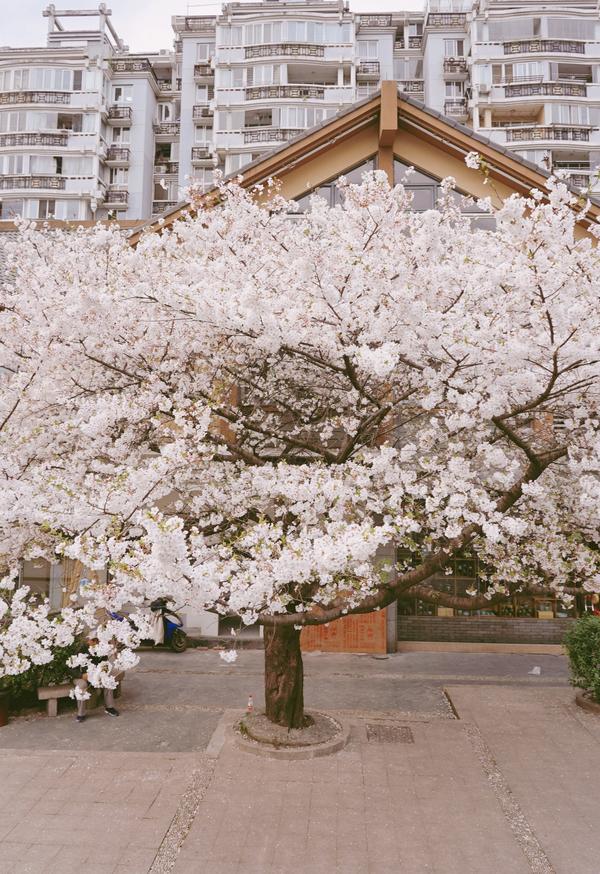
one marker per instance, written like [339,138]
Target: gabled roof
[392,123]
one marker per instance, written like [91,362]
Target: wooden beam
[388,116]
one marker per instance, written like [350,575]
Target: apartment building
[89,129]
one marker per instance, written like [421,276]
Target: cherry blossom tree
[246,410]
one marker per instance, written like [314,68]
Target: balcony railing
[117,153]
[375,20]
[415,42]
[201,153]
[526,134]
[270,136]
[162,205]
[456,107]
[34,139]
[120,113]
[132,65]
[455,65]
[579,180]
[55,183]
[203,112]
[287,49]
[166,128]
[552,89]
[446,19]
[300,92]
[553,46]
[116,194]
[167,168]
[196,22]
[411,86]
[368,69]
[12,97]
[167,85]
[203,71]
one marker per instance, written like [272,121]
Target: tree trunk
[284,676]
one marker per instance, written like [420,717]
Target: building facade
[89,129]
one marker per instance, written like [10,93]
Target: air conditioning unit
[484,88]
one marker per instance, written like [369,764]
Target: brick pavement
[101,813]
[548,750]
[374,808]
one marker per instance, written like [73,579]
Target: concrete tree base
[255,734]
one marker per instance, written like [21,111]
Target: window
[77,80]
[570,114]
[118,176]
[454,48]
[231,78]
[426,191]
[77,166]
[165,112]
[45,165]
[120,135]
[122,93]
[455,89]
[10,209]
[11,165]
[330,190]
[204,51]
[73,123]
[46,209]
[368,49]
[201,93]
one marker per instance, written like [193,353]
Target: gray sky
[145,25]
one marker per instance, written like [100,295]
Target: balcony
[415,42]
[579,180]
[168,85]
[446,19]
[167,168]
[34,139]
[133,65]
[411,86]
[546,89]
[293,92]
[159,206]
[271,135]
[285,49]
[201,154]
[116,197]
[166,128]
[194,23]
[529,134]
[375,20]
[117,155]
[50,183]
[14,97]
[368,70]
[120,114]
[203,71]
[203,113]
[552,46]
[455,68]
[456,108]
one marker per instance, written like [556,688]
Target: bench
[51,694]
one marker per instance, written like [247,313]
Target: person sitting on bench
[81,685]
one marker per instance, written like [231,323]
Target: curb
[292,753]
[586,703]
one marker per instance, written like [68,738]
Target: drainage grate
[389,734]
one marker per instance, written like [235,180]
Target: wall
[482,629]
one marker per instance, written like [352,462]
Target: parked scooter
[173,634]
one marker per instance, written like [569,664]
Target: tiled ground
[92,813]
[375,808]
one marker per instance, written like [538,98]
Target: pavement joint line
[187,809]
[513,813]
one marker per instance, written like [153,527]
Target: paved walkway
[510,787]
